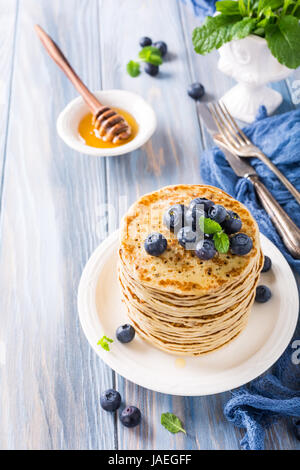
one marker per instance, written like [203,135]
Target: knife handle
[287,229]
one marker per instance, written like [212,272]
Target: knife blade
[239,165]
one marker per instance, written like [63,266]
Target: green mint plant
[104,342]
[172,423]
[220,238]
[149,54]
[275,20]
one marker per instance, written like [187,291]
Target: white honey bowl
[69,118]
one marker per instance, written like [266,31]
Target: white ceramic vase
[250,62]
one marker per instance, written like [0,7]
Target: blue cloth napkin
[276,394]
[203,7]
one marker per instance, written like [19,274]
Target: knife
[286,228]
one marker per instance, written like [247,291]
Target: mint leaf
[242,7]
[228,7]
[209,226]
[103,342]
[172,423]
[133,68]
[151,55]
[220,29]
[221,241]
[283,39]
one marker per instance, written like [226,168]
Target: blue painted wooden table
[53,215]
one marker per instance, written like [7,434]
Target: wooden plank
[50,225]
[172,156]
[8,18]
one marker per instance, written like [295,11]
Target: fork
[238,143]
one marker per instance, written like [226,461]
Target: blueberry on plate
[196,91]
[263,294]
[202,203]
[296,429]
[145,41]
[240,244]
[267,264]
[162,47]
[155,244]
[174,217]
[125,333]
[232,223]
[187,237]
[110,400]
[151,69]
[205,249]
[192,216]
[130,416]
[217,213]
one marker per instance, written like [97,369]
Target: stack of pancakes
[176,301]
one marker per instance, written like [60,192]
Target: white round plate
[269,331]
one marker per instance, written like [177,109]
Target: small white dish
[268,333]
[69,118]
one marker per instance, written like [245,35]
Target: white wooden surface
[53,214]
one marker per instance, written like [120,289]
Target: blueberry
[162,47]
[155,244]
[125,333]
[145,41]
[205,249]
[110,400]
[187,237]
[151,69]
[240,244]
[263,294]
[217,213]
[130,416]
[202,202]
[267,264]
[296,429]
[196,91]
[193,215]
[232,223]
[174,217]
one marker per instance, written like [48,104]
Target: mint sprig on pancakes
[220,238]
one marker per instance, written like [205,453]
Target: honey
[91,137]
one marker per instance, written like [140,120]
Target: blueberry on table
[130,416]
[173,218]
[205,249]
[202,203]
[263,294]
[267,264]
[151,69]
[145,41]
[240,244]
[155,244]
[232,223]
[110,400]
[196,91]
[186,237]
[162,47]
[296,429]
[217,213]
[125,333]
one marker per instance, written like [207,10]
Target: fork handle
[287,229]
[59,58]
[279,175]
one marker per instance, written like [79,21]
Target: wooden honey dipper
[111,125]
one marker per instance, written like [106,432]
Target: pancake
[178,270]
[176,301]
